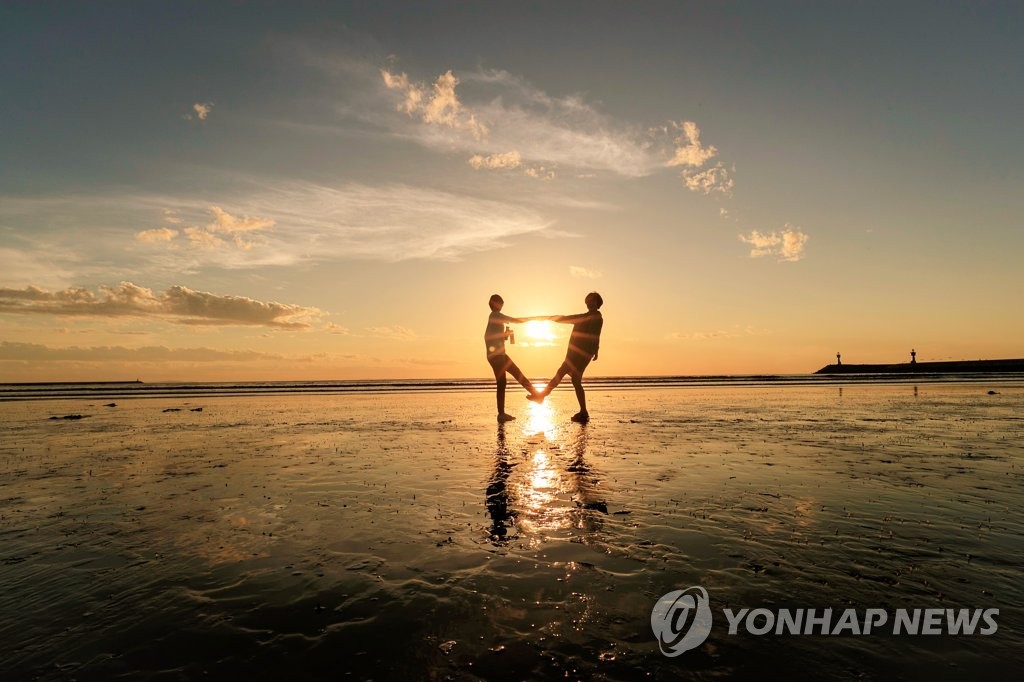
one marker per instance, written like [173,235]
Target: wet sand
[407,536]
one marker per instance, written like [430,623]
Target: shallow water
[402,536]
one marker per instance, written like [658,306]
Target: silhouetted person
[494,337]
[584,342]
[839,359]
[913,356]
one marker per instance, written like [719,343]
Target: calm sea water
[37,391]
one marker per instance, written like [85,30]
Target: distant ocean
[126,390]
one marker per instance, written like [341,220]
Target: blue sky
[333,190]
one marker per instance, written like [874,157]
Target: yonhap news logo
[682,620]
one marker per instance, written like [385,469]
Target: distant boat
[948,367]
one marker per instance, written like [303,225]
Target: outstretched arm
[508,319]
[570,319]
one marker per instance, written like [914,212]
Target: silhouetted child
[494,337]
[583,346]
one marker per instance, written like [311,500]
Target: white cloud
[507,161]
[787,244]
[540,172]
[502,112]
[159,234]
[715,179]
[483,113]
[689,151]
[234,227]
[178,304]
[510,159]
[225,222]
[202,110]
[439,106]
[583,273]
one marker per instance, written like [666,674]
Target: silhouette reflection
[547,489]
[502,516]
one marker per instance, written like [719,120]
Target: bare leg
[499,365]
[581,397]
[518,375]
[557,379]
[501,382]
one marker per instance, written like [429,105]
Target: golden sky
[288,195]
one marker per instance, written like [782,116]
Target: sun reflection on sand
[540,420]
[543,495]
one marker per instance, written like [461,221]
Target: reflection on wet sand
[546,490]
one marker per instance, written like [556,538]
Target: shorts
[577,362]
[500,364]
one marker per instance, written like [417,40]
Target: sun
[539,333]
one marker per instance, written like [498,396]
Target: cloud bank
[34,352]
[178,304]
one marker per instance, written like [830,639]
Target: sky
[230,191]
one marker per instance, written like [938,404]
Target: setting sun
[539,333]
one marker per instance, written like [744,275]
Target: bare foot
[536,397]
[580,417]
[502,418]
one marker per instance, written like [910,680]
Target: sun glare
[539,333]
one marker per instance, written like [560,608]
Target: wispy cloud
[23,267]
[390,223]
[787,244]
[736,331]
[510,159]
[158,234]
[203,239]
[392,333]
[178,304]
[701,336]
[498,111]
[583,273]
[259,224]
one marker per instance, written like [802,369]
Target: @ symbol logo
[681,620]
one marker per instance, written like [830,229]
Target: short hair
[594,300]
[495,299]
